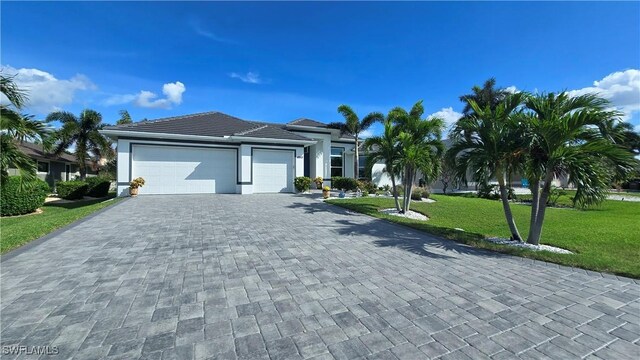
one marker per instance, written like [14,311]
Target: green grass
[20,230]
[604,238]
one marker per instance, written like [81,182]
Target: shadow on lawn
[76,204]
[388,234]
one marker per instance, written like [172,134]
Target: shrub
[98,186]
[25,199]
[488,191]
[72,190]
[137,183]
[367,185]
[342,183]
[399,189]
[420,192]
[302,183]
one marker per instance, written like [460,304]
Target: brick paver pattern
[289,277]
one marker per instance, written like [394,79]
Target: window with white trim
[336,161]
[43,167]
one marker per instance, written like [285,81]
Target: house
[50,168]
[214,152]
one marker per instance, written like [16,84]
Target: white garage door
[184,170]
[272,171]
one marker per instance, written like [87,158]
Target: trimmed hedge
[98,186]
[25,200]
[72,190]
[420,192]
[302,183]
[342,183]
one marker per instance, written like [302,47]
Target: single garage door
[184,170]
[272,171]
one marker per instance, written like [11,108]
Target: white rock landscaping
[523,245]
[409,215]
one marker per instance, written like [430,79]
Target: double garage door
[199,170]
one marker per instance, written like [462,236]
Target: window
[362,163]
[43,167]
[336,161]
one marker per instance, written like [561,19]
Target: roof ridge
[252,130]
[133,124]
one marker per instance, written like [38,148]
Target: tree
[125,118]
[489,143]
[15,128]
[384,148]
[447,175]
[354,126]
[569,137]
[82,132]
[487,95]
[420,146]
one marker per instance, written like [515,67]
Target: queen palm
[15,128]
[81,131]
[569,137]
[355,126]
[420,146]
[384,148]
[489,143]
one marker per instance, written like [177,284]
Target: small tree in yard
[447,175]
[568,136]
[354,126]
[420,146]
[384,148]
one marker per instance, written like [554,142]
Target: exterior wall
[244,163]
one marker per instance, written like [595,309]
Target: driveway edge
[19,250]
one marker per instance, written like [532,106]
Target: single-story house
[50,168]
[214,152]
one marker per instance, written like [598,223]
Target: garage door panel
[272,171]
[176,170]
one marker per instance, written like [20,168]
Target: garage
[184,170]
[272,171]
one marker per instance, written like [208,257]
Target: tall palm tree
[420,145]
[354,126]
[490,144]
[569,137]
[15,128]
[125,118]
[385,148]
[487,95]
[81,131]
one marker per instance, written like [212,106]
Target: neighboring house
[51,168]
[217,153]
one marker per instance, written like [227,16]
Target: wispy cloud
[201,30]
[250,77]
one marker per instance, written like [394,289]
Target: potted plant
[318,181]
[134,185]
[325,192]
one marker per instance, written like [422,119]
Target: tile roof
[214,124]
[307,122]
[37,151]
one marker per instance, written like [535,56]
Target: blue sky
[280,61]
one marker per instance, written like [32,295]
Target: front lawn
[19,230]
[604,238]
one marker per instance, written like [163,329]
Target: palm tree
[420,145]
[354,126]
[15,128]
[82,132]
[569,137]
[488,94]
[384,148]
[489,143]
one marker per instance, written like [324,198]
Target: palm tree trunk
[536,230]
[535,203]
[395,193]
[504,196]
[355,160]
[411,176]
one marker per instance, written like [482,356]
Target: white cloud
[449,116]
[512,89]
[147,99]
[622,88]
[366,134]
[197,27]
[46,92]
[250,77]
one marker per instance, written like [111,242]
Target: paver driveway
[283,276]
